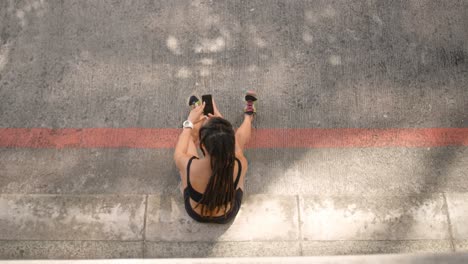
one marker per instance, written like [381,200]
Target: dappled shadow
[317,64]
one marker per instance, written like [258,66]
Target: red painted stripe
[354,137]
[261,138]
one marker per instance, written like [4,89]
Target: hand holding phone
[207,99]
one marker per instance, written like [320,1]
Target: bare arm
[181,155]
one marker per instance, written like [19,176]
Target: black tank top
[196,196]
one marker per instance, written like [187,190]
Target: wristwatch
[187,124]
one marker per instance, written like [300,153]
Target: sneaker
[193,101]
[250,99]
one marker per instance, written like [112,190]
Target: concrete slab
[44,249]
[458,210]
[87,171]
[461,245]
[221,249]
[351,171]
[374,218]
[261,218]
[361,247]
[458,258]
[358,171]
[50,217]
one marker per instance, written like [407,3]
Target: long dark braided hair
[218,138]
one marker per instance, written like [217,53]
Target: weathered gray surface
[458,209]
[87,171]
[72,249]
[459,258]
[266,225]
[361,63]
[50,217]
[222,249]
[360,247]
[359,171]
[374,218]
[122,249]
[350,171]
[461,245]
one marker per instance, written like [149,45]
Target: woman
[213,184]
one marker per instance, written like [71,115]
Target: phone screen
[208,104]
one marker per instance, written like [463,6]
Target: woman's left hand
[196,114]
[216,112]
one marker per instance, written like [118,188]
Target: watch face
[187,124]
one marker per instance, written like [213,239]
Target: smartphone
[208,104]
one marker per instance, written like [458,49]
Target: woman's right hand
[196,114]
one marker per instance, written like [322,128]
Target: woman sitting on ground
[213,184]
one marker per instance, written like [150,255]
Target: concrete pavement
[55,226]
[385,259]
[315,64]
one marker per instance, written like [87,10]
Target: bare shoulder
[181,160]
